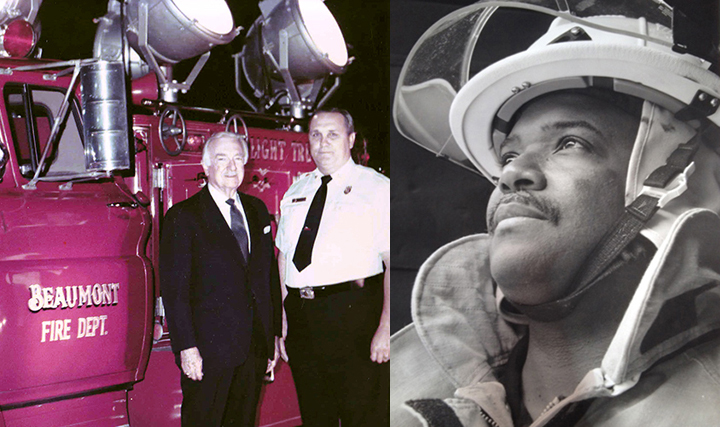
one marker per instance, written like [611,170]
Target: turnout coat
[662,367]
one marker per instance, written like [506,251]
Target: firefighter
[593,299]
[334,256]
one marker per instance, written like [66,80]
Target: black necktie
[303,250]
[238,228]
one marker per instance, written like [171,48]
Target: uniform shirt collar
[340,174]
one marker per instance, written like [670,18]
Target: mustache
[548,209]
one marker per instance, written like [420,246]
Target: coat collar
[457,318]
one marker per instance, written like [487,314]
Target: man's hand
[191,363]
[279,346]
[280,341]
[380,345]
[279,352]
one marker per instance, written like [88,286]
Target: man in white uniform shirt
[334,243]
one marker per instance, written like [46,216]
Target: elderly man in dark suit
[219,283]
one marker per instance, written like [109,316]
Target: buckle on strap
[307,293]
[671,191]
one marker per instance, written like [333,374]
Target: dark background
[433,200]
[68,32]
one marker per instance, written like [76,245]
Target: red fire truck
[83,189]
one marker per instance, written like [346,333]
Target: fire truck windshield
[32,112]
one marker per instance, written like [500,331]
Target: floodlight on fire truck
[290,52]
[166,32]
[162,33]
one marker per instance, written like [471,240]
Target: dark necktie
[238,228]
[303,250]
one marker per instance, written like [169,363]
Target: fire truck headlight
[19,38]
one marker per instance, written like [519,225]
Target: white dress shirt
[354,230]
[221,202]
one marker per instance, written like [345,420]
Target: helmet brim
[671,80]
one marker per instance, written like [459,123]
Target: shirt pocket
[292,218]
[357,219]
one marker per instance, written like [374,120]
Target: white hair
[207,149]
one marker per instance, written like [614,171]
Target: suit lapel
[217,224]
[253,225]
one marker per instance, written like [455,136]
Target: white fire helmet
[474,69]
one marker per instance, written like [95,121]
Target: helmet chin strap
[559,309]
[663,185]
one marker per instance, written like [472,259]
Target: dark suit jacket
[207,289]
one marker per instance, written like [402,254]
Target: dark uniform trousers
[227,397]
[328,344]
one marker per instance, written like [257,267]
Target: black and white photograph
[584,290]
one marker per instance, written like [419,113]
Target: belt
[312,292]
